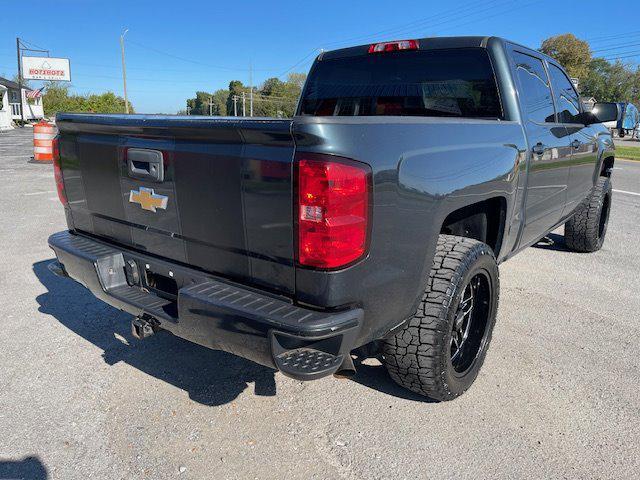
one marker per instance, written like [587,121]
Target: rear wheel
[586,230]
[440,350]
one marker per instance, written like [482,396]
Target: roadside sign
[46,68]
[575,81]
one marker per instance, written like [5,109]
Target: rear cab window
[442,83]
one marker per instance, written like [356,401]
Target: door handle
[145,164]
[539,148]
[576,144]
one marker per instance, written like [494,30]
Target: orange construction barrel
[43,135]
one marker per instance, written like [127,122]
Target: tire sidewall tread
[418,356]
[582,230]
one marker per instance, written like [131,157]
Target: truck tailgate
[223,202]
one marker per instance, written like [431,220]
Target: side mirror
[603,112]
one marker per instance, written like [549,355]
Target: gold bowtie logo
[148,200]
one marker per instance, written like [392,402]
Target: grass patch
[631,153]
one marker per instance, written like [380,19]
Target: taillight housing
[57,172]
[333,217]
[394,46]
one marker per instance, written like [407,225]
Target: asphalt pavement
[81,398]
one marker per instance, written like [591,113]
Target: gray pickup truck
[372,223]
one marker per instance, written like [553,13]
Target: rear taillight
[333,210]
[57,172]
[394,46]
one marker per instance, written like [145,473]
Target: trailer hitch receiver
[143,327]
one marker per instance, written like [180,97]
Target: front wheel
[586,229]
[439,352]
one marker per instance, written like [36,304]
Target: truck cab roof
[433,43]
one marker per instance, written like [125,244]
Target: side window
[535,93]
[566,97]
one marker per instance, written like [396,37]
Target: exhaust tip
[347,369]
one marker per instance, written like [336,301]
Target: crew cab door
[584,144]
[549,147]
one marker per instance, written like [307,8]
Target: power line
[31,44]
[458,17]
[275,101]
[518,7]
[138,79]
[314,52]
[612,41]
[621,35]
[411,26]
[414,24]
[195,62]
[631,55]
[617,47]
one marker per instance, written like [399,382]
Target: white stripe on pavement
[628,193]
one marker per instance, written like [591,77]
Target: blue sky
[175,48]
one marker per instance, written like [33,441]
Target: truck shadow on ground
[210,377]
[376,377]
[552,241]
[30,468]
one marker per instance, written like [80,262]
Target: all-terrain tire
[419,356]
[586,229]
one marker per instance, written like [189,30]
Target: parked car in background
[374,221]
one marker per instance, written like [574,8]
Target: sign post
[20,80]
[20,47]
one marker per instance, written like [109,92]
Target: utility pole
[235,105]
[244,97]
[250,91]
[124,72]
[20,80]
[210,106]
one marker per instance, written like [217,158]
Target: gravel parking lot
[81,398]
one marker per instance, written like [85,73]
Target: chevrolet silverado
[373,221]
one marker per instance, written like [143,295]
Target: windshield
[443,83]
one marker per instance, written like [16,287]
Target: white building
[15,101]
[5,115]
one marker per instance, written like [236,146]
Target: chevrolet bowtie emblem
[148,200]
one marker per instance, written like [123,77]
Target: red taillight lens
[57,172]
[394,46]
[333,210]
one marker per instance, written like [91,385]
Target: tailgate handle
[145,164]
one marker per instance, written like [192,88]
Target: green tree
[635,87]
[25,83]
[220,102]
[297,79]
[209,103]
[236,88]
[273,86]
[279,99]
[200,104]
[572,53]
[58,99]
[612,82]
[274,98]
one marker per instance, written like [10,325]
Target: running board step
[307,362]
